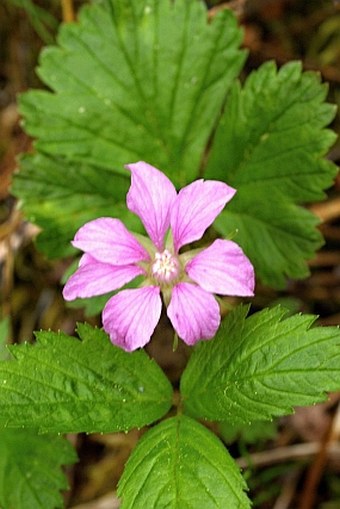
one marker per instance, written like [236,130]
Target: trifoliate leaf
[30,469]
[261,366]
[270,146]
[64,385]
[181,464]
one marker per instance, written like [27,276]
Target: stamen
[165,267]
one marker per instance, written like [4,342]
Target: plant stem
[68,11]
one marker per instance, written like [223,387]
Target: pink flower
[187,281]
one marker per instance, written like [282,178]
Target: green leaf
[181,464]
[30,469]
[93,305]
[261,366]
[135,79]
[65,385]
[277,235]
[253,433]
[270,146]
[62,195]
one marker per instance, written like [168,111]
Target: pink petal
[193,312]
[223,268]
[151,196]
[131,316]
[108,241]
[96,278]
[195,209]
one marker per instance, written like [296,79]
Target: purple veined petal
[194,313]
[108,241]
[131,316]
[151,197]
[96,278]
[223,268]
[195,209]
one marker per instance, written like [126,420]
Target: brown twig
[316,470]
[280,454]
[330,232]
[68,11]
[7,230]
[325,259]
[284,501]
[327,211]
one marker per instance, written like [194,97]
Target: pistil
[165,267]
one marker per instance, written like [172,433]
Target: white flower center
[165,268]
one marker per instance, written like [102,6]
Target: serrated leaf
[62,195]
[140,79]
[133,80]
[30,469]
[65,385]
[261,366]
[181,464]
[277,235]
[270,146]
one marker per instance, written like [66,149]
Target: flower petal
[108,241]
[223,268]
[151,196]
[194,313]
[195,209]
[131,316]
[96,278]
